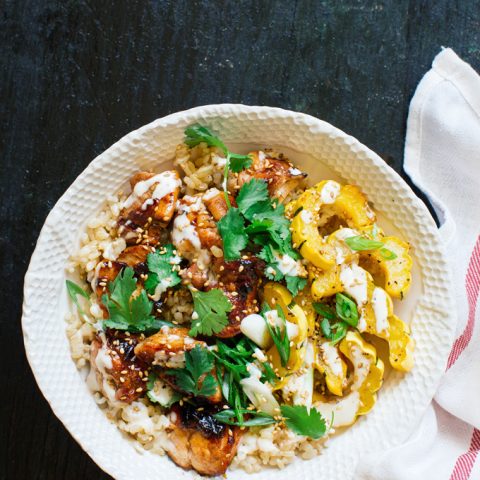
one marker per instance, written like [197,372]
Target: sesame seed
[139,389]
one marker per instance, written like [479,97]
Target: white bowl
[324,152]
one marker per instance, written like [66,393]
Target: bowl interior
[322,151]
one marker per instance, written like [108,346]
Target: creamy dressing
[166,183]
[306,216]
[331,358]
[362,321]
[380,309]
[183,230]
[288,266]
[99,378]
[161,393]
[211,193]
[344,233]
[354,280]
[345,410]
[330,192]
[294,171]
[168,360]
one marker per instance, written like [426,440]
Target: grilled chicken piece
[167,348]
[282,177]
[216,204]
[199,441]
[150,206]
[115,366]
[239,280]
[135,257]
[194,228]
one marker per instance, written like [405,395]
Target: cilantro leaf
[161,266]
[232,229]
[299,420]
[198,363]
[212,308]
[295,284]
[239,162]
[196,134]
[125,311]
[73,290]
[252,198]
[165,400]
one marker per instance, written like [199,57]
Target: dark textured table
[78,75]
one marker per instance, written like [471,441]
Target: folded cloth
[442,157]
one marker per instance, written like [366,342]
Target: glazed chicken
[134,256]
[150,206]
[167,349]
[282,177]
[239,280]
[113,360]
[199,441]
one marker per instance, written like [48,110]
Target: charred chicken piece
[194,228]
[239,280]
[167,348]
[199,441]
[150,206]
[281,176]
[216,204]
[116,367]
[134,256]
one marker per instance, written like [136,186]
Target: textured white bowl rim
[436,303]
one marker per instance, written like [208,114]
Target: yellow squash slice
[395,274]
[329,363]
[368,372]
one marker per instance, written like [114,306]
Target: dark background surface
[78,75]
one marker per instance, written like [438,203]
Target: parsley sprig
[261,221]
[196,134]
[211,308]
[335,322]
[297,418]
[162,266]
[127,311]
[196,378]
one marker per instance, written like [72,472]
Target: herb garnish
[197,134]
[196,377]
[296,417]
[232,361]
[128,312]
[280,337]
[73,290]
[361,243]
[335,323]
[212,308]
[152,379]
[303,422]
[162,269]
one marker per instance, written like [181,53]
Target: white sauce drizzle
[331,358]
[288,266]
[380,308]
[354,280]
[330,192]
[166,183]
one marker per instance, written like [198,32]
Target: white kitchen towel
[442,157]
